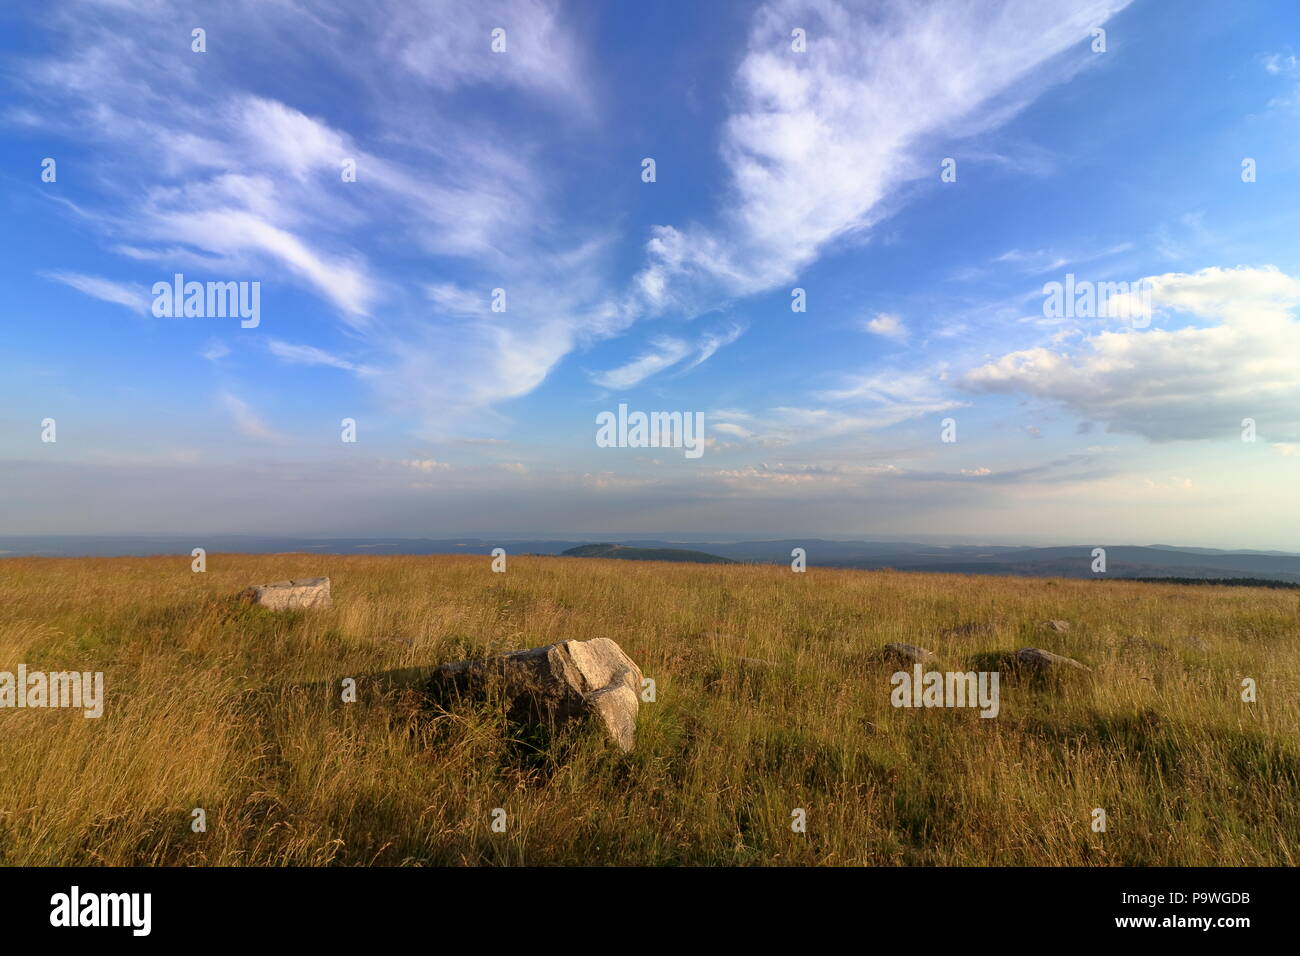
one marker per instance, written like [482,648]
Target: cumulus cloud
[1241,359]
[887,325]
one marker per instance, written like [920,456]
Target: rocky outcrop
[555,684]
[1046,662]
[907,654]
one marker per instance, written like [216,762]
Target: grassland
[212,705]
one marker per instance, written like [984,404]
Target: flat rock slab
[291,595]
[1046,661]
[556,684]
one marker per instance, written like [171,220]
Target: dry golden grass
[234,710]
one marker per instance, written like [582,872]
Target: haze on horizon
[1165,160]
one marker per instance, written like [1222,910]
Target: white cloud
[918,391]
[247,421]
[447,44]
[455,300]
[708,346]
[818,141]
[425,465]
[729,428]
[1198,381]
[1280,64]
[119,293]
[308,355]
[887,325]
[665,353]
[813,148]
[249,185]
[869,403]
[233,216]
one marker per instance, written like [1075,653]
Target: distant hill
[1123,561]
[1228,582]
[643,554]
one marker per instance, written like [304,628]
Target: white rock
[292,595]
[1042,660]
[556,684]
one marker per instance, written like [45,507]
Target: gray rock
[908,654]
[1046,661]
[556,684]
[1059,627]
[291,595]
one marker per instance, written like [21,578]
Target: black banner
[335,905]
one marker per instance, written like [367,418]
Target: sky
[840,258]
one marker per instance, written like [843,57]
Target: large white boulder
[556,684]
[292,595]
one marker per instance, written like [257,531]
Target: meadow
[770,698]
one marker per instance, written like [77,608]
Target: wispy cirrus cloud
[246,419]
[248,180]
[311,355]
[815,149]
[120,293]
[819,141]
[664,353]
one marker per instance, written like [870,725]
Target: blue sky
[776,169]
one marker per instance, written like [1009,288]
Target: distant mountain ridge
[1122,561]
[625,553]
